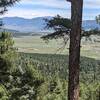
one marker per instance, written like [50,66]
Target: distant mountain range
[22,25]
[90,24]
[25,25]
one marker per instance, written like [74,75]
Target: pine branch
[62,28]
[6,3]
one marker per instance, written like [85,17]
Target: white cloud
[62,3]
[64,8]
[49,3]
[34,13]
[91,4]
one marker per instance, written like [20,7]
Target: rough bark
[74,52]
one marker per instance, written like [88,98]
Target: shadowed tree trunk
[74,52]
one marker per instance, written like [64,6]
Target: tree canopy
[6,3]
[62,28]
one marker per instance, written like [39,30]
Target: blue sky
[38,8]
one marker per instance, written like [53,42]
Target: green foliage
[8,58]
[62,29]
[56,70]
[25,85]
[7,52]
[6,3]
[21,80]
[3,93]
[42,76]
[50,64]
[90,91]
[58,24]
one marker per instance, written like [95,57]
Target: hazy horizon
[36,17]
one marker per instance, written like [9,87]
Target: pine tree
[6,3]
[7,58]
[74,51]
[62,29]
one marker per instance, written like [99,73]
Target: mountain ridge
[37,24]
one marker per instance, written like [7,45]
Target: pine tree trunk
[74,52]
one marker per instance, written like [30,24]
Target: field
[33,44]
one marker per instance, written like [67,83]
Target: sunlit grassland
[34,44]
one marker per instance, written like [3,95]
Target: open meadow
[34,44]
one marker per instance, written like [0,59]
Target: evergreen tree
[6,3]
[7,58]
[98,19]
[74,51]
[62,29]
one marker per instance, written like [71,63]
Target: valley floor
[34,44]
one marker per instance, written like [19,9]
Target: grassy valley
[34,44]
